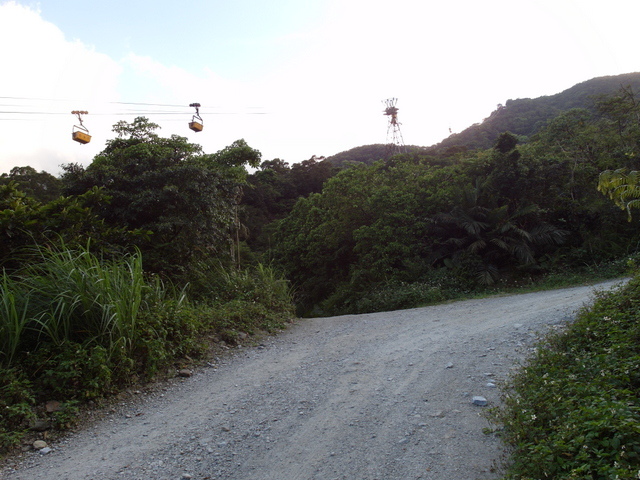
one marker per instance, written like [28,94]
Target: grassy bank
[75,328]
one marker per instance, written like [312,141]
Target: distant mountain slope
[523,116]
[367,154]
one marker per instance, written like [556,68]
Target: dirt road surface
[378,396]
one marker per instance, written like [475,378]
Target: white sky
[294,78]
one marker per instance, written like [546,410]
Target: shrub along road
[374,396]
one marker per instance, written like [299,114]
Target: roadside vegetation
[126,274]
[75,328]
[573,410]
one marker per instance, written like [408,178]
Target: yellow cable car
[196,122]
[80,133]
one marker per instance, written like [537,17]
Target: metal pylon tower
[395,142]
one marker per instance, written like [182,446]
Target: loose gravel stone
[479,401]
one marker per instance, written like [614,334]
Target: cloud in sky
[294,79]
[44,72]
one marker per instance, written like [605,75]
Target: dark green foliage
[485,240]
[42,186]
[573,411]
[70,371]
[166,186]
[620,114]
[25,222]
[442,284]
[274,189]
[75,327]
[387,223]
[168,330]
[16,405]
[369,225]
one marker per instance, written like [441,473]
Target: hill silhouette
[522,117]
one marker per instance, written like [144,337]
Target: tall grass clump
[77,297]
[248,300]
[14,318]
[573,411]
[74,326]
[252,299]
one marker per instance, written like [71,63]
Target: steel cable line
[109,103]
[29,109]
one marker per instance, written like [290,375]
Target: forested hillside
[137,263]
[525,116]
[122,271]
[522,117]
[368,154]
[422,227]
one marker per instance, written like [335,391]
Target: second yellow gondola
[196,121]
[80,133]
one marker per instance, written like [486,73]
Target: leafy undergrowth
[573,411]
[75,329]
[445,285]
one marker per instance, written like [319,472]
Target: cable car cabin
[79,133]
[196,121]
[195,126]
[81,137]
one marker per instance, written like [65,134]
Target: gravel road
[378,396]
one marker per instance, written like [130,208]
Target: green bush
[256,298]
[391,296]
[70,371]
[74,327]
[16,405]
[436,286]
[247,316]
[573,411]
[168,330]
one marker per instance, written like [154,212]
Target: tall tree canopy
[41,186]
[184,198]
[273,190]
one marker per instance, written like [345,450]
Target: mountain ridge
[522,117]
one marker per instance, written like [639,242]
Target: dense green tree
[272,191]
[576,139]
[41,186]
[186,200]
[566,158]
[505,172]
[310,175]
[487,239]
[72,221]
[620,122]
[368,226]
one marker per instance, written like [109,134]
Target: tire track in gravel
[377,396]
